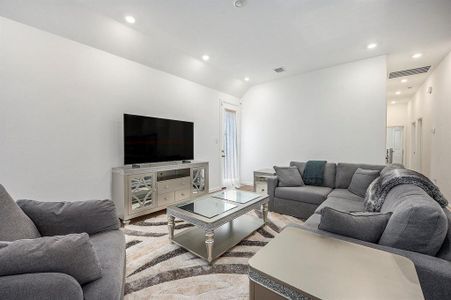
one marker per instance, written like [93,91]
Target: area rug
[158,269]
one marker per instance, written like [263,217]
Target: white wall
[435,111]
[397,114]
[61,114]
[337,114]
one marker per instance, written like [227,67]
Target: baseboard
[247,183]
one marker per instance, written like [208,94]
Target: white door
[413,146]
[395,144]
[230,119]
[419,145]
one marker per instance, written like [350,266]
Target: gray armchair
[28,219]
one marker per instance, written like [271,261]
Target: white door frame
[224,105]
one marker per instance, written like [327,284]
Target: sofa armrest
[273,182]
[40,286]
[60,218]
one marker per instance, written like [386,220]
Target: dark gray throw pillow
[363,226]
[361,180]
[71,254]
[15,223]
[59,218]
[289,176]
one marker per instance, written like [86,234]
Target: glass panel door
[141,189]
[198,181]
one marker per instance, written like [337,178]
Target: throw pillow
[361,180]
[16,224]
[363,226]
[289,176]
[59,218]
[71,254]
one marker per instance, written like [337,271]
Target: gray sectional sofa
[303,201]
[41,266]
[419,228]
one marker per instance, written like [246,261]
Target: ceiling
[300,35]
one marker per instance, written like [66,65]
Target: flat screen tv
[148,140]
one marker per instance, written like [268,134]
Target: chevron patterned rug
[158,269]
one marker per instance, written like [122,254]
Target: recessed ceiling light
[371,46]
[246,78]
[404,80]
[393,102]
[417,55]
[398,93]
[205,57]
[239,3]
[130,19]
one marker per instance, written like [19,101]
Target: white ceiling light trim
[206,57]
[371,46]
[417,55]
[246,78]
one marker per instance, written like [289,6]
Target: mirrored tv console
[153,187]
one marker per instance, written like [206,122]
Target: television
[148,139]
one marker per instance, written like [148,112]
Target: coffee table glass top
[207,207]
[236,196]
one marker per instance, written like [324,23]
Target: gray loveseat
[31,220]
[415,230]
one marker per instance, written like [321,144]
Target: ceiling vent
[279,70]
[409,72]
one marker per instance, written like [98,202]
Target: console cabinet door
[141,192]
[199,181]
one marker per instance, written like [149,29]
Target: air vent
[403,73]
[279,70]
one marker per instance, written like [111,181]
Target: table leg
[171,225]
[209,241]
[265,212]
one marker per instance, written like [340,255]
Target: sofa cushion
[345,172]
[69,254]
[445,250]
[341,204]
[110,249]
[35,286]
[363,226]
[15,224]
[289,176]
[59,218]
[308,194]
[418,223]
[329,172]
[344,194]
[361,180]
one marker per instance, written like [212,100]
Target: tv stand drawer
[173,185]
[182,195]
[166,199]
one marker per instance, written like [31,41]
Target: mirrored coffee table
[220,221]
